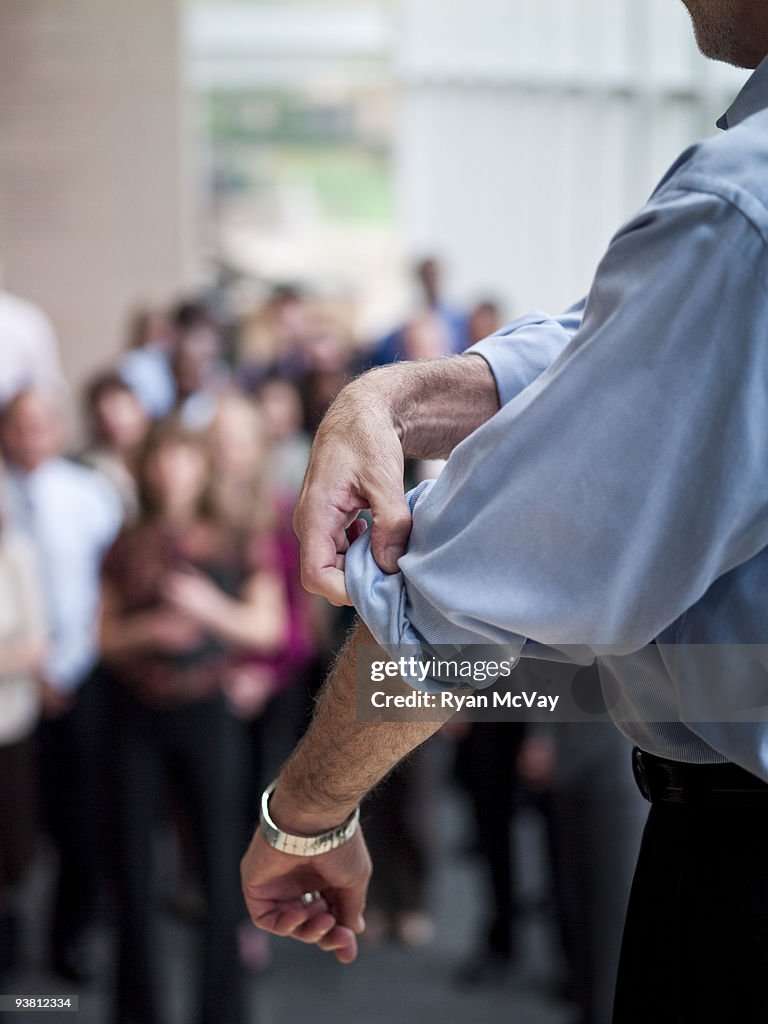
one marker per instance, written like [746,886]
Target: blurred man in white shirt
[71,515]
[29,351]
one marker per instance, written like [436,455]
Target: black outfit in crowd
[72,759]
[486,766]
[195,752]
[399,820]
[172,734]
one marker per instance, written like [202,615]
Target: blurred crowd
[158,658]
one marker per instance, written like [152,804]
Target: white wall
[529,131]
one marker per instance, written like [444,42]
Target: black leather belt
[672,782]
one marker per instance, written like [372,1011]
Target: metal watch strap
[304,846]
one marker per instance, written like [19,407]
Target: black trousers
[18,812]
[695,948]
[198,747]
[486,766]
[398,818]
[72,778]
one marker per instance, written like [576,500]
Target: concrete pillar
[94,211]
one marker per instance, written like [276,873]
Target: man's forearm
[341,759]
[434,404]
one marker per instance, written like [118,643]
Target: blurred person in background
[285,405]
[245,497]
[331,360]
[486,768]
[429,276]
[282,409]
[436,328]
[401,821]
[269,691]
[71,515]
[595,817]
[145,365]
[29,350]
[199,371]
[425,336]
[118,424]
[484,320]
[183,598]
[273,338]
[23,639]
[239,451]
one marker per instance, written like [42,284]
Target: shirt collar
[753,97]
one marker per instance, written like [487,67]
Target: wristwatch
[304,846]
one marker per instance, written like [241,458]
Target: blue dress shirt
[617,505]
[147,371]
[71,514]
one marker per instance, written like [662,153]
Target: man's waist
[663,781]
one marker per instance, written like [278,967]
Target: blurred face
[121,420]
[178,476]
[425,338]
[327,350]
[194,354]
[281,405]
[32,433]
[734,31]
[291,317]
[237,439]
[484,321]
[157,331]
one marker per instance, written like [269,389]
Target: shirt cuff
[413,632]
[381,599]
[524,349]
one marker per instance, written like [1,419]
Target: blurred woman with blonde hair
[182,599]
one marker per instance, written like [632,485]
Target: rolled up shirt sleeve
[520,352]
[605,497]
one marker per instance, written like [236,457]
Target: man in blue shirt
[448,326]
[623,443]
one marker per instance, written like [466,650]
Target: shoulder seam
[740,199]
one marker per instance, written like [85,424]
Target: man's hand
[357,463]
[339,760]
[273,883]
[422,409]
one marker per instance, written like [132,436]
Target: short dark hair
[103,384]
[191,313]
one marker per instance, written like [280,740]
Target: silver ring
[308,898]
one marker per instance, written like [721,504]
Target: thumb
[350,906]
[391,529]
